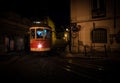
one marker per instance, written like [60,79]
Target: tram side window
[32,33]
[39,33]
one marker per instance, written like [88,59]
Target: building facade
[95,25]
[13,32]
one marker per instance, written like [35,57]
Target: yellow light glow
[65,35]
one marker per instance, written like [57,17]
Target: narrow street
[54,69]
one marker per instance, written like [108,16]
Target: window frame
[98,8]
[99,35]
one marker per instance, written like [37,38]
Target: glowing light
[67,29]
[39,46]
[37,22]
[65,35]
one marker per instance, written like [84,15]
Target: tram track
[88,71]
[82,73]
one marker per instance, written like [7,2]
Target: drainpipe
[114,15]
[69,41]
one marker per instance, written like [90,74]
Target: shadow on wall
[60,44]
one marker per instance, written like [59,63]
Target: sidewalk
[110,56]
[9,55]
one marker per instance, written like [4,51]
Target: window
[39,33]
[98,8]
[99,35]
[32,33]
[47,34]
[117,37]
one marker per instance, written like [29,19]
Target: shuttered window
[99,35]
[98,8]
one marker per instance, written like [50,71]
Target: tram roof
[39,25]
[32,27]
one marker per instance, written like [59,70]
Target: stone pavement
[67,54]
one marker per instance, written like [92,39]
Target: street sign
[74,34]
[76,28]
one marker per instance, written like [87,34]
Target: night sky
[57,10]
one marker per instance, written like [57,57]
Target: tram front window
[39,33]
[47,34]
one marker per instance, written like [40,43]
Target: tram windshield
[47,34]
[43,33]
[39,33]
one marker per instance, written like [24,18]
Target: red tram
[40,38]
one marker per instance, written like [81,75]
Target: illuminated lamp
[39,46]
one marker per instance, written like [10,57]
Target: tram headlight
[39,46]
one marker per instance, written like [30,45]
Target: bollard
[105,50]
[85,50]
